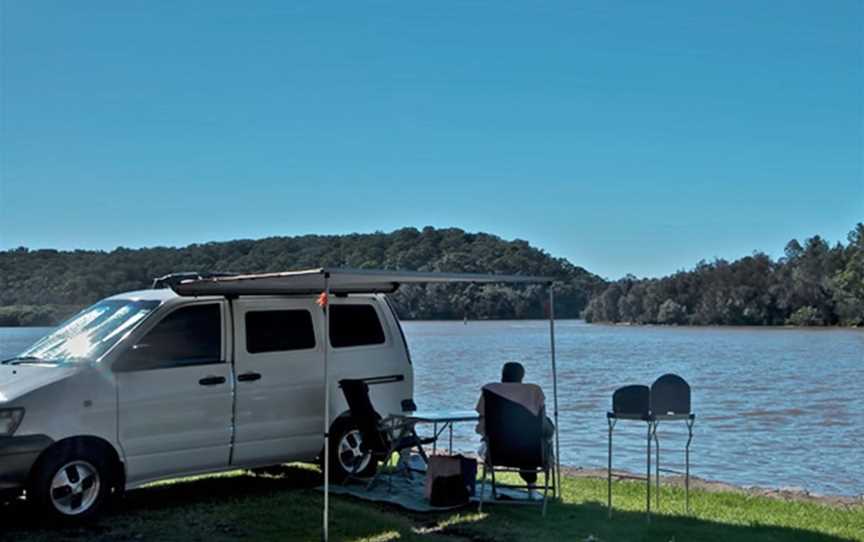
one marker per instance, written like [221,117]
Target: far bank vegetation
[813,284]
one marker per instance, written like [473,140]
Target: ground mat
[409,493]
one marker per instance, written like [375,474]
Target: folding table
[444,418]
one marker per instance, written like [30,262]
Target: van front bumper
[17,456]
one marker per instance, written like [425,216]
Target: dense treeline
[39,287]
[814,284]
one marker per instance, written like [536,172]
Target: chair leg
[385,465]
[656,470]
[608,473]
[545,490]
[374,476]
[482,488]
[387,462]
[494,487]
[390,471]
[420,449]
[403,464]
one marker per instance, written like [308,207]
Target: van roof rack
[172,279]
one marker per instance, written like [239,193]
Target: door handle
[212,380]
[249,377]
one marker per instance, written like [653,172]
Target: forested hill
[39,287]
[813,284]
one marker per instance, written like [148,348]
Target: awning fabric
[340,281]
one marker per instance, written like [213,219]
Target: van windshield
[90,333]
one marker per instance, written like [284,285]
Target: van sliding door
[280,380]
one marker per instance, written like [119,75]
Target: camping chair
[514,443]
[380,438]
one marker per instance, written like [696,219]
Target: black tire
[72,483]
[345,432]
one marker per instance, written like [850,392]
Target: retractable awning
[339,280]
[351,281]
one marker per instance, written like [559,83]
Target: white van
[149,385]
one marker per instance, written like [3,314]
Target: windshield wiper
[22,359]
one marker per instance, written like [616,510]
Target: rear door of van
[279,380]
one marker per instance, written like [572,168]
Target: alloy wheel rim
[351,457]
[75,487]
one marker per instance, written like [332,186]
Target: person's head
[512,372]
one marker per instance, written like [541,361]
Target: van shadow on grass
[178,504]
[283,504]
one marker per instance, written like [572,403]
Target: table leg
[451,438]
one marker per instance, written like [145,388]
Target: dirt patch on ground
[715,486]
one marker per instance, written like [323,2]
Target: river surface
[775,407]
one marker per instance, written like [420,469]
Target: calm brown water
[775,407]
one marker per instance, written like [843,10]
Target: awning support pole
[326,461]
[554,389]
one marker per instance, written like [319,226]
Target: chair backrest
[632,400]
[514,436]
[364,415]
[670,394]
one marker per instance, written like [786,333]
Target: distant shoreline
[484,320]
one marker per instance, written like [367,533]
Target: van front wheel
[346,455]
[72,484]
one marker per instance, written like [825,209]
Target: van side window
[187,336]
[277,331]
[354,325]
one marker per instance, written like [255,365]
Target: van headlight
[10,419]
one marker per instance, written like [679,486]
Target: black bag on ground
[450,480]
[469,474]
[449,491]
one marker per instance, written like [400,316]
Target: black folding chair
[631,403]
[670,400]
[380,439]
[514,443]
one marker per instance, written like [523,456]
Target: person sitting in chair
[529,396]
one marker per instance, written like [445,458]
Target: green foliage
[813,284]
[848,285]
[671,313]
[31,280]
[805,316]
[31,315]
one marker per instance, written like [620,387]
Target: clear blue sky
[625,136]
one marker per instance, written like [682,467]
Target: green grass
[286,506]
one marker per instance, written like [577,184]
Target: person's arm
[481,411]
[548,426]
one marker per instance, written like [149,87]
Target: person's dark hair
[512,372]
